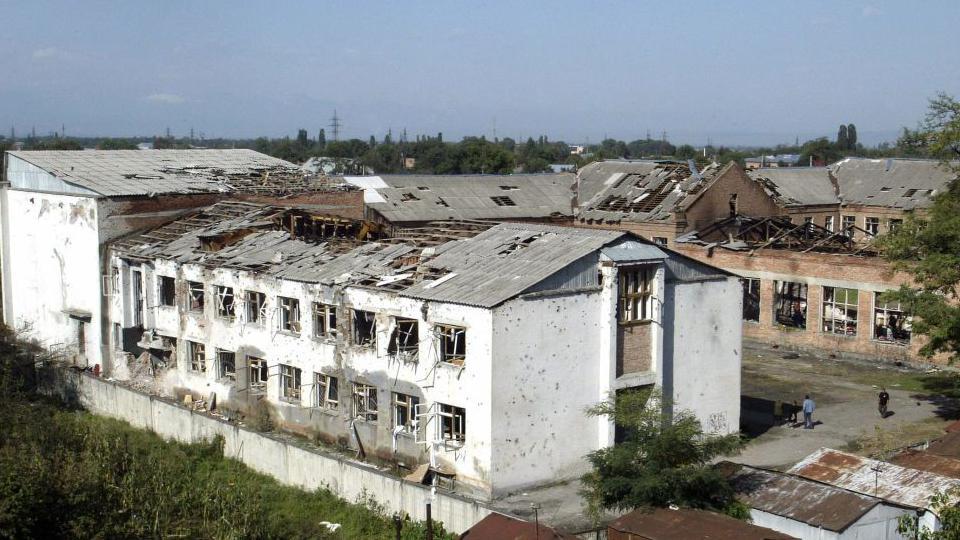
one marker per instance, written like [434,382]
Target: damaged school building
[463,350]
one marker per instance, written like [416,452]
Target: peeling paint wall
[51,268]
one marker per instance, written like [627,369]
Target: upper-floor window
[224,300]
[195,295]
[404,339]
[289,382]
[872,225]
[167,290]
[453,422]
[636,293]
[840,310]
[364,328]
[326,391]
[226,364]
[365,402]
[198,356]
[453,344]
[256,306]
[660,240]
[289,314]
[324,320]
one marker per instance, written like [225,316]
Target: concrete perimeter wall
[288,463]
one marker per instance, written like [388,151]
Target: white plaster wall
[51,264]
[547,365]
[702,350]
[791,527]
[880,523]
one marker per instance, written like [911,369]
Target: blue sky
[735,72]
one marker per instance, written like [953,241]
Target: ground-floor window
[453,422]
[751,299]
[890,323]
[289,382]
[404,411]
[790,303]
[198,356]
[326,391]
[365,402]
[840,310]
[226,365]
[258,372]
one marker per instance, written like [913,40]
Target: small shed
[686,524]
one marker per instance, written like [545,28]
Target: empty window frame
[226,364]
[790,304]
[404,415]
[225,305]
[404,340]
[848,223]
[364,328]
[365,402]
[198,356]
[660,240]
[453,344]
[167,291]
[324,320]
[453,423]
[636,293]
[195,296]
[289,382]
[258,372]
[255,306]
[828,223]
[289,314]
[872,225]
[807,219]
[751,299]
[326,391]
[890,322]
[840,311]
[895,224]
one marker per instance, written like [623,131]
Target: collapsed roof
[745,233]
[419,198]
[639,191]
[471,263]
[143,172]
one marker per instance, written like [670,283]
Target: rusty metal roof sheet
[928,461]
[797,498]
[887,481]
[948,445]
[688,524]
[500,527]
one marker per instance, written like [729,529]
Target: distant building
[777,160]
[561,167]
[577,150]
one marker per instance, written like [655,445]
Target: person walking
[808,407]
[883,398]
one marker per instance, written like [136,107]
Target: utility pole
[536,518]
[335,126]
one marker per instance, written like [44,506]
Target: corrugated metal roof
[140,172]
[799,499]
[793,186]
[928,461]
[689,524]
[417,198]
[887,481]
[948,445]
[500,527]
[896,183]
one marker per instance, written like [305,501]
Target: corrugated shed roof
[928,461]
[896,183]
[689,524]
[639,192]
[887,481]
[948,445]
[416,198]
[500,527]
[799,499]
[141,172]
[794,186]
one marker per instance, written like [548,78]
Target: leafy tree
[302,138]
[909,525]
[928,247]
[851,137]
[843,141]
[322,139]
[661,459]
[116,144]
[821,150]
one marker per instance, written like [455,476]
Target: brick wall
[633,348]
[713,203]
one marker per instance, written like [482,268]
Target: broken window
[840,310]
[895,224]
[326,391]
[890,322]
[195,292]
[453,423]
[848,223]
[503,200]
[289,382]
[226,364]
[81,337]
[259,374]
[365,402]
[256,307]
[167,290]
[636,294]
[404,415]
[872,225]
[660,240]
[289,314]
[405,339]
[751,299]
[364,328]
[198,356]
[136,285]
[732,203]
[828,223]
[453,344]
[324,320]
[224,299]
[790,303]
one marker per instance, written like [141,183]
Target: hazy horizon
[746,73]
